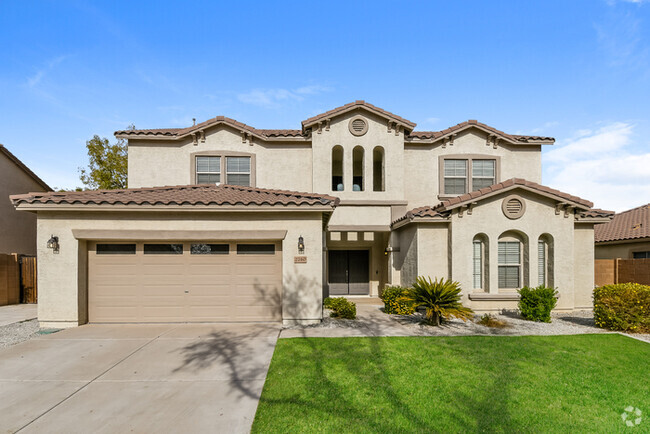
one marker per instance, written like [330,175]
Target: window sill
[484,296]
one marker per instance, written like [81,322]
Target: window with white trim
[208,170]
[483,173]
[238,171]
[542,263]
[478,264]
[455,176]
[509,264]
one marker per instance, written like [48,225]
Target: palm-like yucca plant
[441,298]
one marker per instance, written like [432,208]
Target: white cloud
[272,98]
[601,166]
[546,127]
[35,79]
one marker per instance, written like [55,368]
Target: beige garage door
[153,281]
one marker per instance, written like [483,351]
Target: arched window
[378,169]
[480,264]
[513,260]
[337,168]
[545,260]
[357,168]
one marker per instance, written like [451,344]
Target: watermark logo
[632,416]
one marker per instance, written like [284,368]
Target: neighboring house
[383,204]
[627,236]
[17,229]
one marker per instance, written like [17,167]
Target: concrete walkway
[371,321]
[16,313]
[136,378]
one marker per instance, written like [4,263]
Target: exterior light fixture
[301,244]
[53,243]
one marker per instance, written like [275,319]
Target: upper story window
[357,168]
[462,175]
[378,182]
[208,170]
[238,171]
[228,169]
[455,176]
[337,168]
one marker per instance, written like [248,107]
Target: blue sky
[576,70]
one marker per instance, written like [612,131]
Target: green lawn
[455,384]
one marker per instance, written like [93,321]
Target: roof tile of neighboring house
[204,194]
[349,106]
[443,208]
[25,169]
[628,225]
[473,122]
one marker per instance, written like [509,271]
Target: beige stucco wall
[583,266]
[62,277]
[421,164]
[623,250]
[361,216]
[17,229]
[277,164]
[377,135]
[404,260]
[433,238]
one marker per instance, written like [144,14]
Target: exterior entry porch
[355,263]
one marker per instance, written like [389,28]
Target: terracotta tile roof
[514,138]
[204,194]
[509,184]
[24,168]
[628,225]
[174,133]
[359,103]
[422,212]
[443,209]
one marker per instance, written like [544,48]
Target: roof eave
[176,208]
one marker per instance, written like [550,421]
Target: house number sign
[299,259]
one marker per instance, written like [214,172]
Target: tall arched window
[545,260]
[337,168]
[378,169]
[513,260]
[480,262]
[357,168]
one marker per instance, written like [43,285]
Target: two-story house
[226,222]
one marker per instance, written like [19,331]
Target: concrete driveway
[137,378]
[17,313]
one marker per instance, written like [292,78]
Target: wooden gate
[9,279]
[28,280]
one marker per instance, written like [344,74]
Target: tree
[107,166]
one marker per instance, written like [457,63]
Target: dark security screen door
[348,272]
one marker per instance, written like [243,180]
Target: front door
[349,272]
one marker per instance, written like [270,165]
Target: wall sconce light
[53,243]
[301,244]
[388,250]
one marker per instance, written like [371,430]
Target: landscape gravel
[18,332]
[372,321]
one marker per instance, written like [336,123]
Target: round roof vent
[513,207]
[358,126]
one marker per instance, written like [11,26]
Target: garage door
[184,281]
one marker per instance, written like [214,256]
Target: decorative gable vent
[513,207]
[358,126]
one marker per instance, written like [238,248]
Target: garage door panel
[184,287]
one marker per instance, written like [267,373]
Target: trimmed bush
[394,302]
[536,304]
[623,307]
[341,307]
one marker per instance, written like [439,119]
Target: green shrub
[340,307]
[440,298]
[394,302]
[623,307]
[536,304]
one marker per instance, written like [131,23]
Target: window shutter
[478,265]
[541,262]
